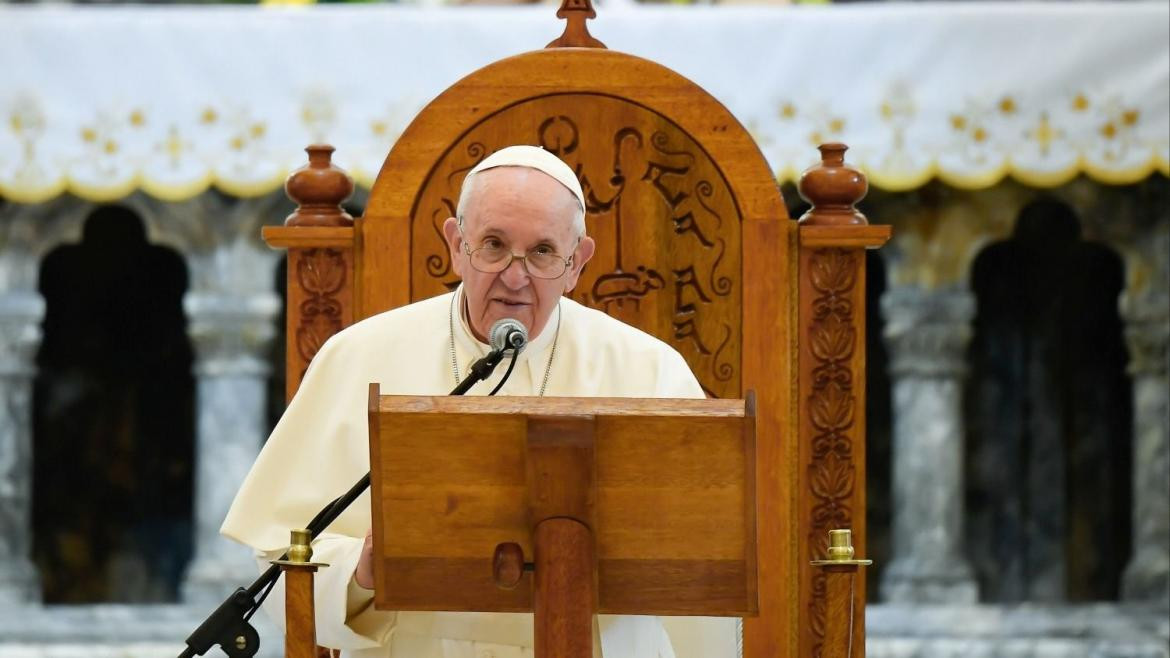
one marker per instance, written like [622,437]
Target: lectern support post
[565,597]
[561,490]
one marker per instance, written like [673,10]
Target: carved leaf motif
[832,340]
[833,271]
[832,408]
[308,342]
[321,271]
[832,479]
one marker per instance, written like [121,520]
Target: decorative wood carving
[320,302]
[832,404]
[832,236]
[665,221]
[321,275]
[319,236]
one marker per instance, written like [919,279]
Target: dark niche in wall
[1049,416]
[113,418]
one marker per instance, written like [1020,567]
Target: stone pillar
[20,335]
[230,335]
[1147,332]
[927,334]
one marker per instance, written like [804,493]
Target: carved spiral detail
[720,284]
[476,151]
[661,142]
[831,409]
[704,190]
[723,370]
[438,265]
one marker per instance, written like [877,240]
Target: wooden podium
[626,506]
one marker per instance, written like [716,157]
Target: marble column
[927,335]
[20,335]
[1147,332]
[230,334]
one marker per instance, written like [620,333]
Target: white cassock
[320,449]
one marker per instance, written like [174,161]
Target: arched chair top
[514,80]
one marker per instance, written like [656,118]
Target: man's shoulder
[606,331]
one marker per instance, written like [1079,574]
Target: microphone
[508,334]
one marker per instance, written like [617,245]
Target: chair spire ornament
[576,34]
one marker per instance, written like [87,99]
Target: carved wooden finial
[576,34]
[833,187]
[319,188]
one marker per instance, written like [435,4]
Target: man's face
[523,209]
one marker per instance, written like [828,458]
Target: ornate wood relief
[831,407]
[665,221]
[320,276]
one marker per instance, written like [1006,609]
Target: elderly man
[518,242]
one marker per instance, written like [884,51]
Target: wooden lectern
[627,506]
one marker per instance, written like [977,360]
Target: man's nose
[515,275]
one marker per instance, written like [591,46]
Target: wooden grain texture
[832,424]
[869,237]
[648,407]
[565,589]
[673,519]
[300,637]
[840,634]
[561,469]
[308,237]
[769,358]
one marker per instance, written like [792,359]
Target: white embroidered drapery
[103,101]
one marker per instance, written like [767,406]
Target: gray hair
[469,185]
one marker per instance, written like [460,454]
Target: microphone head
[508,334]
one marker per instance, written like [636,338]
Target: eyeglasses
[494,256]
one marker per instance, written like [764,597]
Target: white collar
[534,358]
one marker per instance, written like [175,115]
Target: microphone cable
[508,372]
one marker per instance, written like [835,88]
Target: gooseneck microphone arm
[228,625]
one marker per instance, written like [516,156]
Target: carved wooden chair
[694,246]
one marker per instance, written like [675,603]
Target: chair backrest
[694,246]
[670,179]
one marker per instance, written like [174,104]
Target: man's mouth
[510,302]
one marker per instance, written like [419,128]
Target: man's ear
[581,255]
[454,243]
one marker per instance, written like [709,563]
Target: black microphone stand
[228,626]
